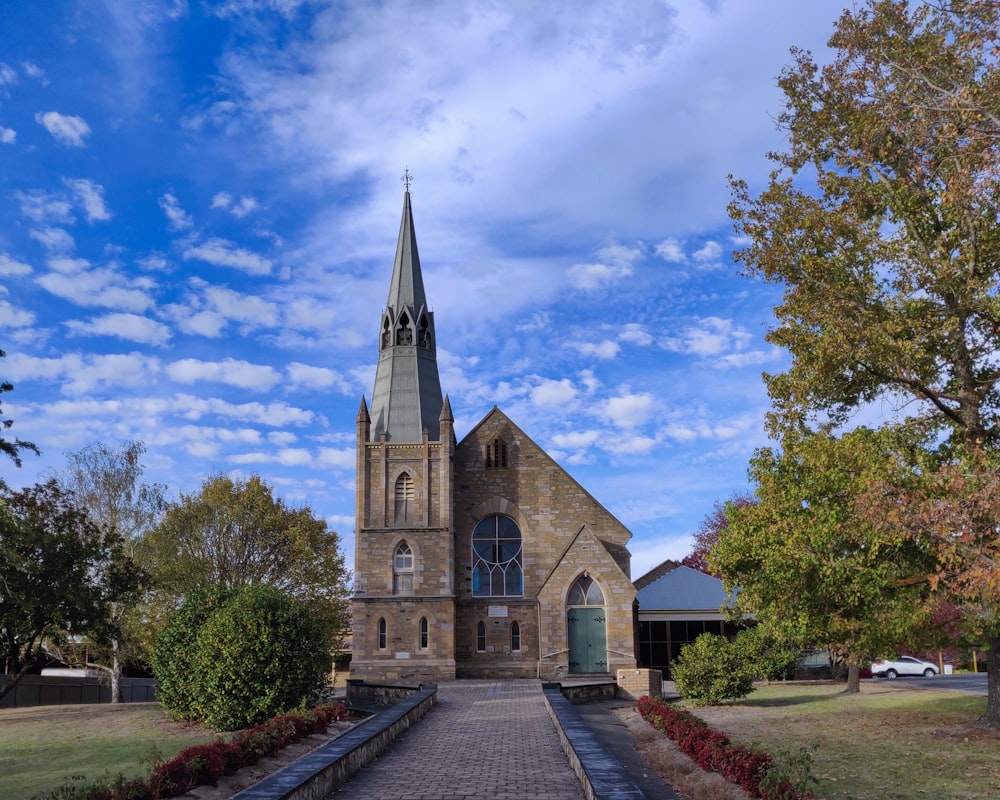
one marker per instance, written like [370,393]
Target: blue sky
[200,200]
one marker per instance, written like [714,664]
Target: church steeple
[407,396]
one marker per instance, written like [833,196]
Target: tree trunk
[853,678]
[991,716]
[116,673]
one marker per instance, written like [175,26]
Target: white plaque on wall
[498,611]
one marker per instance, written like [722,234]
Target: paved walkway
[484,739]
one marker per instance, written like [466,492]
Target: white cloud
[177,218]
[272,414]
[711,337]
[345,458]
[230,371]
[636,334]
[67,130]
[90,195]
[603,350]
[553,393]
[671,250]
[8,75]
[616,262]
[8,266]
[238,209]
[632,445]
[55,240]
[576,440]
[105,287]
[227,254]
[309,377]
[41,206]
[7,135]
[130,327]
[629,410]
[13,317]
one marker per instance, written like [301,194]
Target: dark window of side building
[481,637]
[382,634]
[496,558]
[515,636]
[424,633]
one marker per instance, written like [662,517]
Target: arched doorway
[586,626]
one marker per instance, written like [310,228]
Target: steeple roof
[407,396]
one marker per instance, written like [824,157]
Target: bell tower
[403,609]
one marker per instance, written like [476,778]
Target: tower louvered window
[496,454]
[404,499]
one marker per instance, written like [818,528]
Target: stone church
[474,559]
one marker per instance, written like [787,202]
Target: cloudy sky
[200,200]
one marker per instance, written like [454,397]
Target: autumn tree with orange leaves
[880,220]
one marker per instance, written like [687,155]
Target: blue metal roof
[683,589]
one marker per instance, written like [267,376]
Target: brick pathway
[483,739]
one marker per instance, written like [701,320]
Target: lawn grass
[887,742]
[44,747]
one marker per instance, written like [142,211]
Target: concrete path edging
[319,773]
[601,775]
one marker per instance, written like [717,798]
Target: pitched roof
[682,589]
[655,573]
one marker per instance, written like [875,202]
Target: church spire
[407,396]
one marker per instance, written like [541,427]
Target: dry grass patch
[887,742]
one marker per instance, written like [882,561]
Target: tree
[880,220]
[235,533]
[107,484]
[11,447]
[809,564]
[714,523]
[56,574]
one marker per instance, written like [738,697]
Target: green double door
[588,644]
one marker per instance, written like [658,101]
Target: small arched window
[496,454]
[515,637]
[481,637]
[402,569]
[404,499]
[382,634]
[424,633]
[404,333]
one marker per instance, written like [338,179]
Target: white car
[904,665]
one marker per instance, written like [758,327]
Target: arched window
[585,592]
[404,499]
[404,333]
[382,634]
[496,558]
[424,633]
[424,334]
[481,637]
[496,454]
[515,637]
[402,569]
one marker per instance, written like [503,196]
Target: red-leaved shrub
[713,751]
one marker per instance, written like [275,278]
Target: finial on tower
[407,178]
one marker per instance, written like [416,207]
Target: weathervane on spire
[407,178]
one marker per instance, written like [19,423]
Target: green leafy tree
[57,573]
[767,657]
[107,483]
[175,654]
[11,447]
[236,533]
[880,220]
[807,561]
[260,654]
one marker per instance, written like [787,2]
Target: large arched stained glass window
[496,558]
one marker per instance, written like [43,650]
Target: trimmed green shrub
[259,654]
[710,670]
[174,656]
[767,658]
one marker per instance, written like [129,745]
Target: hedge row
[754,770]
[204,764]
